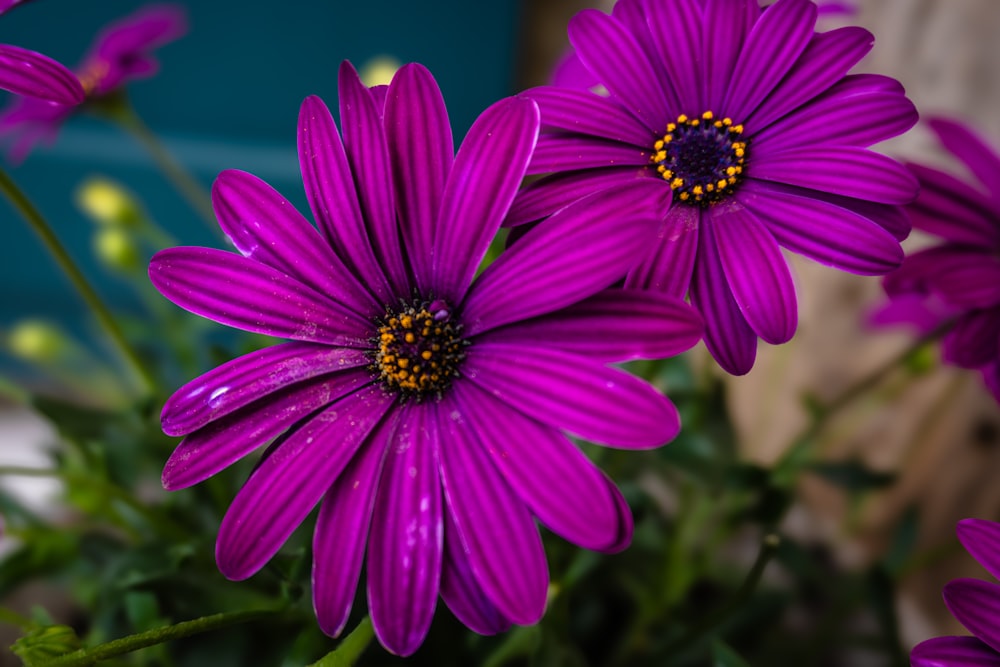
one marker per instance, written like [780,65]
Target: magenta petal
[725,28]
[771,49]
[728,337]
[611,53]
[976,604]
[963,276]
[342,531]
[368,154]
[226,440]
[289,482]
[265,227]
[460,590]
[421,152]
[756,272]
[245,379]
[500,538]
[332,195]
[953,652]
[982,540]
[670,264]
[566,391]
[30,73]
[973,339]
[560,152]
[981,160]
[242,293]
[953,210]
[611,326]
[579,251]
[544,468]
[487,172]
[405,546]
[844,170]
[583,112]
[679,48]
[540,199]
[822,231]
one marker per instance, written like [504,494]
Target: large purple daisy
[121,53]
[427,407]
[974,602]
[955,284]
[749,117]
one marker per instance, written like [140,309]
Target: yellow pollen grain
[697,190]
[403,362]
[680,119]
[677,183]
[409,337]
[708,115]
[684,196]
[426,354]
[721,184]
[658,145]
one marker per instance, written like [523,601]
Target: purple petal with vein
[681,20]
[982,540]
[974,339]
[405,546]
[25,72]
[725,26]
[540,199]
[976,604]
[953,652]
[460,590]
[583,112]
[556,152]
[964,144]
[598,403]
[953,210]
[669,266]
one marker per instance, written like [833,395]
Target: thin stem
[351,648]
[193,192]
[116,647]
[35,220]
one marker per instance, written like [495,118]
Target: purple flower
[7,5]
[749,117]
[957,281]
[121,53]
[973,602]
[426,406]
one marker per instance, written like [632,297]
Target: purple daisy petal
[460,590]
[953,652]
[500,539]
[756,272]
[421,152]
[540,199]
[982,540]
[263,226]
[242,293]
[609,51]
[612,326]
[342,531]
[953,210]
[481,190]
[596,402]
[771,49]
[224,441]
[405,547]
[963,276]
[669,266]
[579,251]
[964,144]
[973,339]
[976,604]
[25,72]
[824,61]
[680,52]
[368,155]
[246,379]
[822,231]
[724,34]
[544,468]
[288,483]
[843,170]
[332,196]
[731,341]
[583,112]
[558,152]
[569,72]
[893,219]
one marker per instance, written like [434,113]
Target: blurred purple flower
[121,53]
[957,281]
[7,5]
[750,118]
[973,602]
[426,406]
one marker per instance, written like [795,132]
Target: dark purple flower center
[702,158]
[418,348]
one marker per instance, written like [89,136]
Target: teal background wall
[227,96]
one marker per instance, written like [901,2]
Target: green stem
[35,220]
[768,548]
[193,192]
[116,647]
[351,648]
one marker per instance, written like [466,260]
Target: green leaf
[724,656]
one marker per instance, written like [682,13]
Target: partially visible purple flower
[750,118]
[975,603]
[958,279]
[122,52]
[7,5]
[426,407]
[36,75]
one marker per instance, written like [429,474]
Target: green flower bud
[36,341]
[107,203]
[40,645]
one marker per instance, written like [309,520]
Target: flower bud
[107,203]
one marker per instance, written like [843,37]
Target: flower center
[92,75]
[418,348]
[702,158]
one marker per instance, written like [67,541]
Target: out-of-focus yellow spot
[115,248]
[36,340]
[379,70]
[106,202]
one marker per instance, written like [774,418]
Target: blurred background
[228,95]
